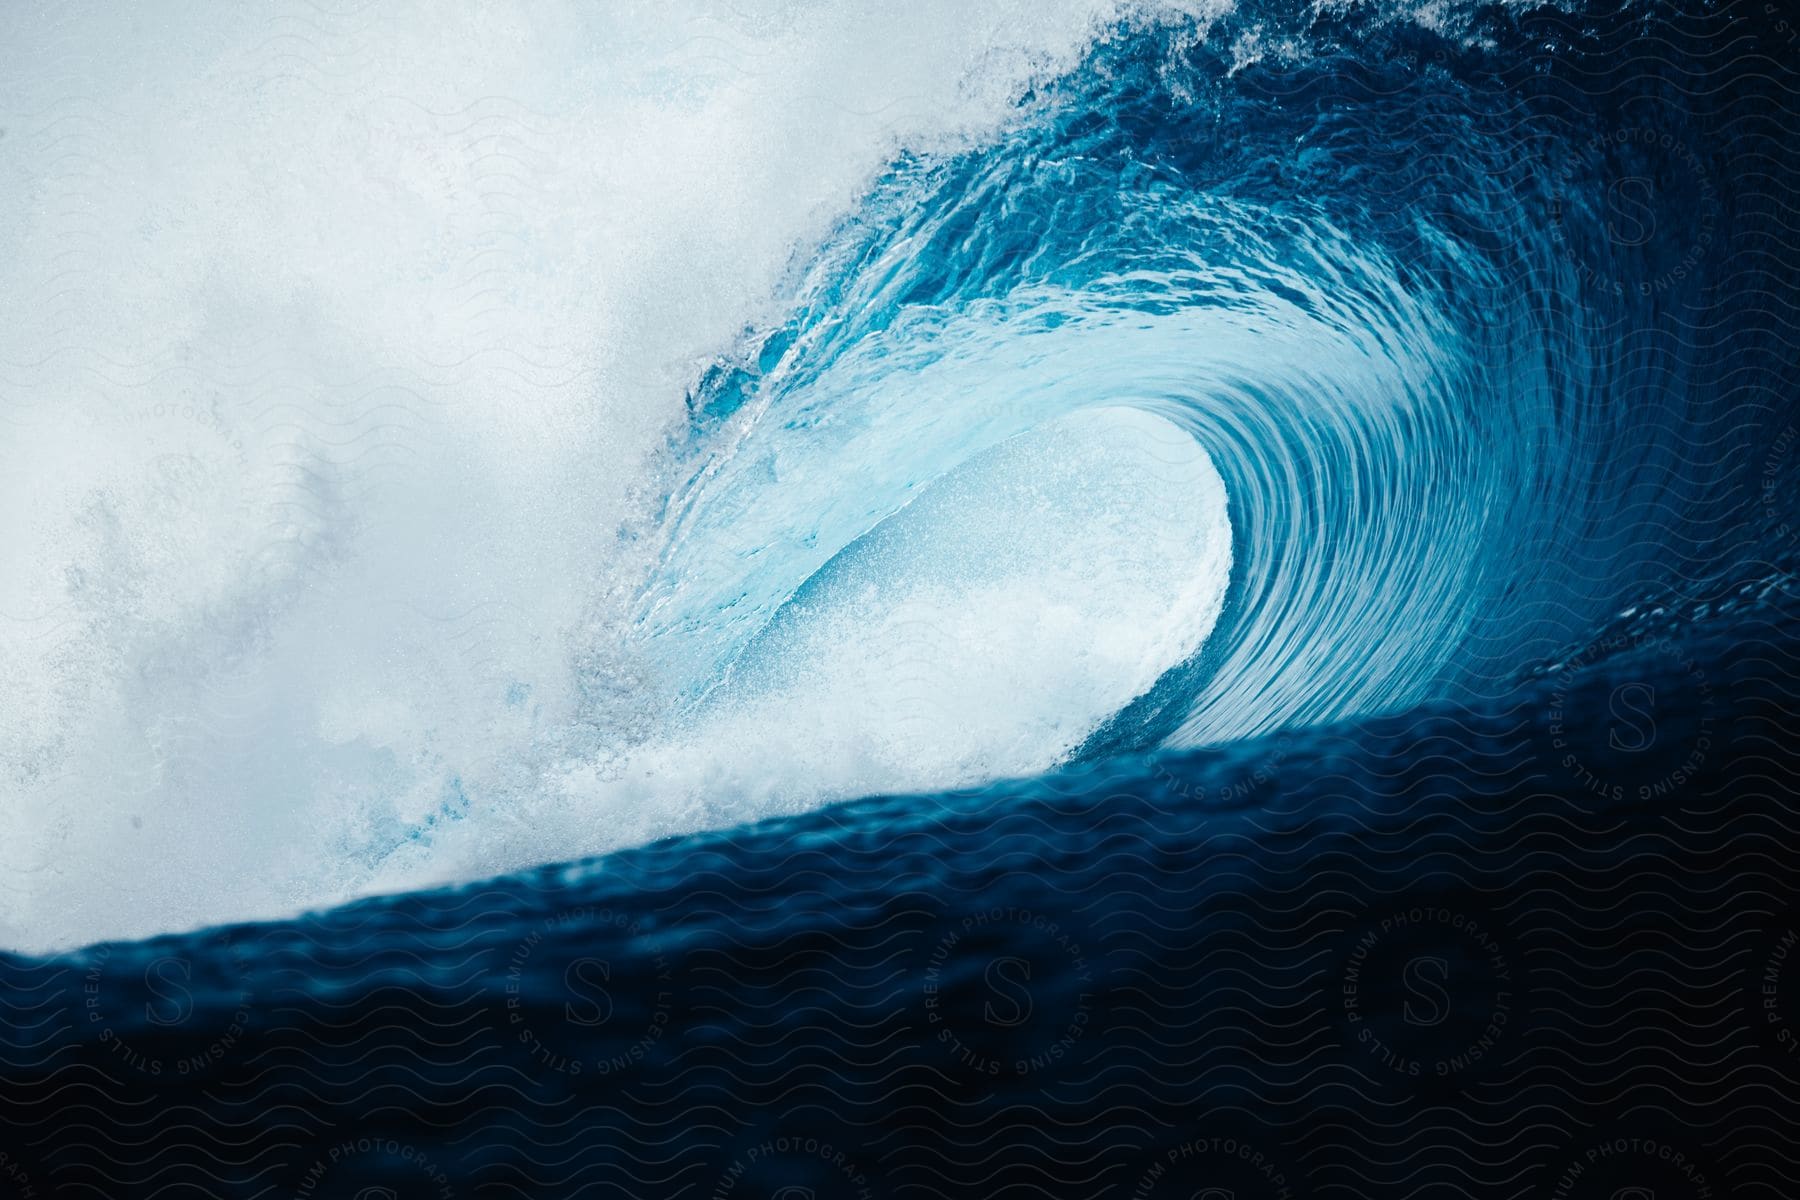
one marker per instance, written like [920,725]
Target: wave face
[1438,350]
[1402,353]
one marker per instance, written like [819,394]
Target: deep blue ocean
[1452,850]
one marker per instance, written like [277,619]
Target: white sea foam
[982,631]
[335,342]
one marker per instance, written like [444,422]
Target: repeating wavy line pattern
[1130,975]
[1501,898]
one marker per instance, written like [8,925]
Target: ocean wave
[1128,378]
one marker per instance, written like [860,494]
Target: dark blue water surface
[1460,861]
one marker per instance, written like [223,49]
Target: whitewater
[339,347]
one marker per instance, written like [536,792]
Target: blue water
[1338,476]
